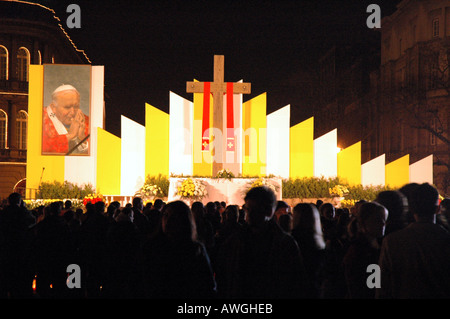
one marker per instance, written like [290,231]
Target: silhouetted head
[425,201]
[100,207]
[260,203]
[138,203]
[327,211]
[54,209]
[198,210]
[282,208]
[306,218]
[68,204]
[319,203]
[158,204]
[111,210]
[211,208]
[15,199]
[408,191]
[231,214]
[397,205]
[372,219]
[177,222]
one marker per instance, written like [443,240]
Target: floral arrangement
[191,189]
[35,203]
[338,191]
[92,198]
[348,203]
[258,183]
[225,173]
[149,192]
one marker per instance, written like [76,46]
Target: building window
[3,129]
[21,126]
[39,57]
[435,27]
[23,62]
[3,63]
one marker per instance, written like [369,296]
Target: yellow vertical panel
[301,145]
[108,163]
[202,165]
[397,172]
[156,141]
[254,126]
[48,168]
[349,164]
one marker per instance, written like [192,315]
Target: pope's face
[66,106]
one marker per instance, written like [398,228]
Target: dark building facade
[395,99]
[29,34]
[414,86]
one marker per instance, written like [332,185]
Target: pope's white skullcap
[64,87]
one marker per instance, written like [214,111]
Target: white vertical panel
[82,169]
[325,155]
[278,125]
[132,172]
[422,171]
[180,135]
[373,172]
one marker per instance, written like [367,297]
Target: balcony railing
[14,86]
[13,155]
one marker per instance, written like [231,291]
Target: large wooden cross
[218,88]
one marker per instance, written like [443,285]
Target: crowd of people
[264,249]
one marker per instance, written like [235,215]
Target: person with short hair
[415,261]
[260,260]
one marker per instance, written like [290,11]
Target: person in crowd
[415,260]
[443,218]
[327,218]
[112,210]
[342,225]
[319,203]
[54,250]
[337,240]
[282,208]
[67,207]
[205,232]
[158,204]
[213,215]
[261,260]
[307,231]
[286,222]
[139,218]
[229,224]
[408,191]
[16,223]
[92,249]
[364,250]
[176,265]
[397,205]
[122,267]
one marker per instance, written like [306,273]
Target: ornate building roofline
[56,19]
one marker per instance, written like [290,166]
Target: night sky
[152,47]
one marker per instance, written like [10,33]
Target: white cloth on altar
[220,189]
